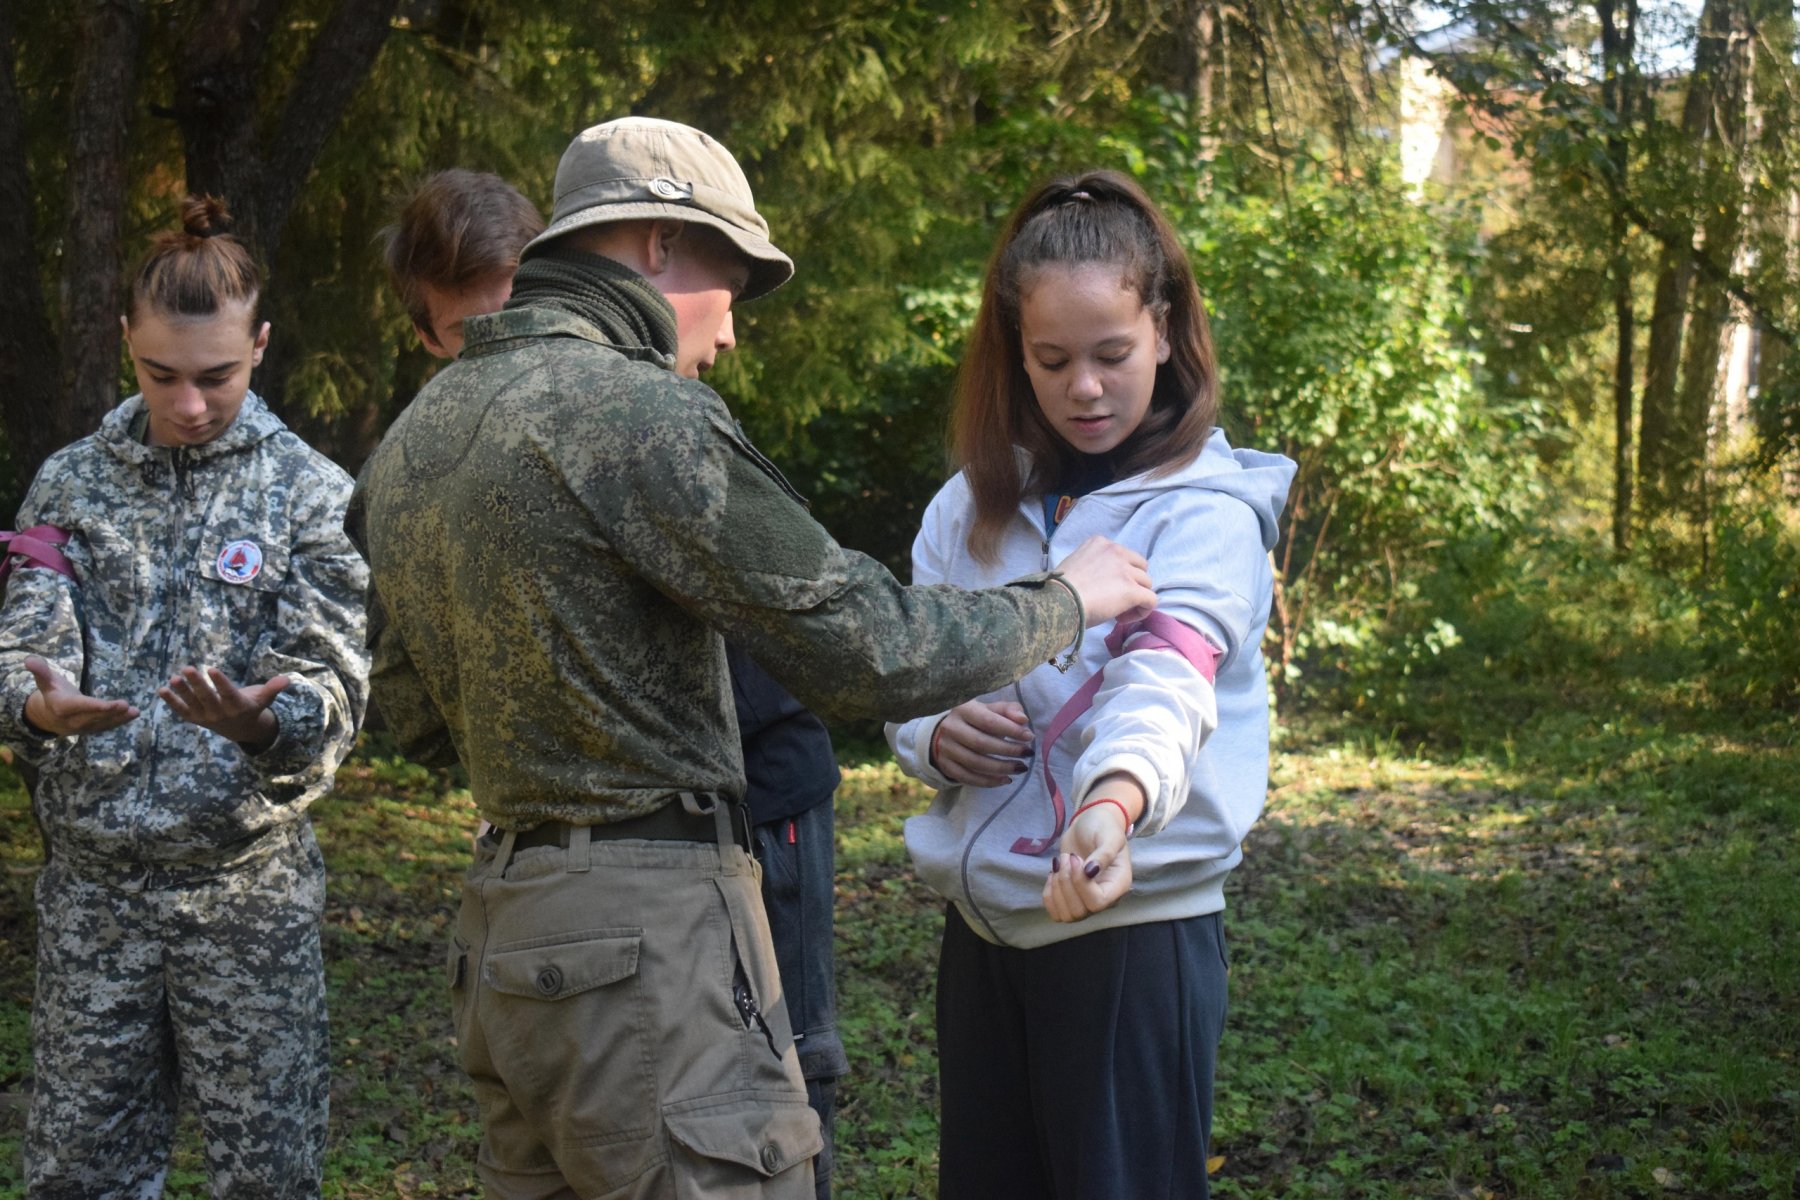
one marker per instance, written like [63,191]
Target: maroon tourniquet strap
[37,547]
[1154,632]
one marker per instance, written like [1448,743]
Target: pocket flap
[563,969]
[766,1135]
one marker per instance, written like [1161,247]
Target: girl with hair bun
[1081,985]
[180,687]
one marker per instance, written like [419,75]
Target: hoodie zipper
[963,868]
[173,585]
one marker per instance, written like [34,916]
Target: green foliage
[1551,608]
[1747,606]
[1340,324]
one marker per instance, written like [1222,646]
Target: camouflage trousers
[153,988]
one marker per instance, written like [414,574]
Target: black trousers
[798,861]
[1081,1070]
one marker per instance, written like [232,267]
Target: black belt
[670,823]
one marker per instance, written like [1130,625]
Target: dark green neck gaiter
[615,299]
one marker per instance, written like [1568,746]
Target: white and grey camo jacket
[229,554]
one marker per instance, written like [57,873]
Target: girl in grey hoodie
[1081,987]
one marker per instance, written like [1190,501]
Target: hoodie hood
[1256,477]
[253,423]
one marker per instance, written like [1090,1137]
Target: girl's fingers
[999,726]
[1002,719]
[991,746]
[1060,899]
[965,767]
[1078,888]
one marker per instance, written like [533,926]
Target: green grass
[1520,925]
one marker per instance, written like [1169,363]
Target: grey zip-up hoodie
[230,554]
[1200,751]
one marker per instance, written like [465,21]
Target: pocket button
[549,981]
[771,1158]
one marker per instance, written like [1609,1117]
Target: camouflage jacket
[165,543]
[558,525]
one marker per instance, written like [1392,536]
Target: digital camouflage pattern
[179,909]
[556,527]
[149,529]
[229,969]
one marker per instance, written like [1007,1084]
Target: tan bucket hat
[642,167]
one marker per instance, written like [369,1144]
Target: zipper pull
[752,1014]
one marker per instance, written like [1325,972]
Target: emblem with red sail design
[240,562]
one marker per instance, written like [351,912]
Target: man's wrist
[1042,581]
[254,733]
[32,725]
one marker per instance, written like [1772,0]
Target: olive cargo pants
[618,1010]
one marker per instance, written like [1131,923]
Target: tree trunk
[218,110]
[1657,429]
[219,102]
[217,81]
[1661,454]
[337,63]
[1709,323]
[1778,423]
[1618,46]
[1624,319]
[1199,27]
[93,259]
[28,357]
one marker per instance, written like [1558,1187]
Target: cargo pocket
[456,976]
[756,979]
[566,1029]
[456,964]
[733,1146]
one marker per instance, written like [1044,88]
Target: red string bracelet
[1123,811]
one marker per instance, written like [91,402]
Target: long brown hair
[194,271]
[1097,217]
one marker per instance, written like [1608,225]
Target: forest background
[1536,643]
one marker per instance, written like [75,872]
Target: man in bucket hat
[451,254]
[557,526]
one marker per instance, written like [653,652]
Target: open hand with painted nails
[982,743]
[59,707]
[209,699]
[1092,867]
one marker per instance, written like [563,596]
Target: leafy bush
[1748,602]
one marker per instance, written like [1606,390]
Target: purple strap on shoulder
[38,547]
[1157,631]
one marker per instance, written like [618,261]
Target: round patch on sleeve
[240,562]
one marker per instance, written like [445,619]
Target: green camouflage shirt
[230,554]
[558,527]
